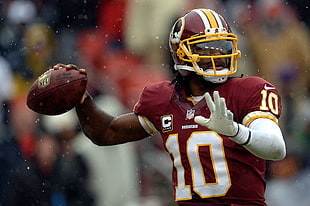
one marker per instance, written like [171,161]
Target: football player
[219,130]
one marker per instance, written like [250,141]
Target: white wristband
[243,135]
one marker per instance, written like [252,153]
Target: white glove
[221,119]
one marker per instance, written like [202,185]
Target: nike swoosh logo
[267,87]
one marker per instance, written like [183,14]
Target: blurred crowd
[46,160]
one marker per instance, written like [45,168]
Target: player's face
[214,48]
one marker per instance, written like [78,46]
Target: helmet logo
[177,30]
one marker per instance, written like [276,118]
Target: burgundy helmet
[202,35]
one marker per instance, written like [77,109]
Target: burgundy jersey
[209,168]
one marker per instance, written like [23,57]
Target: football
[57,91]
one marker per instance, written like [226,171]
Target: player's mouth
[219,65]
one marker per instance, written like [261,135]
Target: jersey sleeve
[152,104]
[255,98]
[147,125]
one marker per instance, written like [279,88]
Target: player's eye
[212,48]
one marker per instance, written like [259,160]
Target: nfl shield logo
[190,113]
[44,81]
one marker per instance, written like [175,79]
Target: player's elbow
[278,154]
[95,137]
[277,150]
[272,154]
[99,141]
[269,146]
[96,141]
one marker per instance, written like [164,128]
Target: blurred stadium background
[123,46]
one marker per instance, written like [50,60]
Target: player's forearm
[104,129]
[264,139]
[93,121]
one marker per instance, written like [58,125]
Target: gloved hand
[221,119]
[68,67]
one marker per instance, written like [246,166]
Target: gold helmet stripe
[211,18]
[203,17]
[218,19]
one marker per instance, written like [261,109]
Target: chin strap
[215,79]
[212,79]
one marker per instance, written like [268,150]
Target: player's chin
[210,68]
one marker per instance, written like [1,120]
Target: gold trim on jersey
[147,125]
[191,100]
[258,114]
